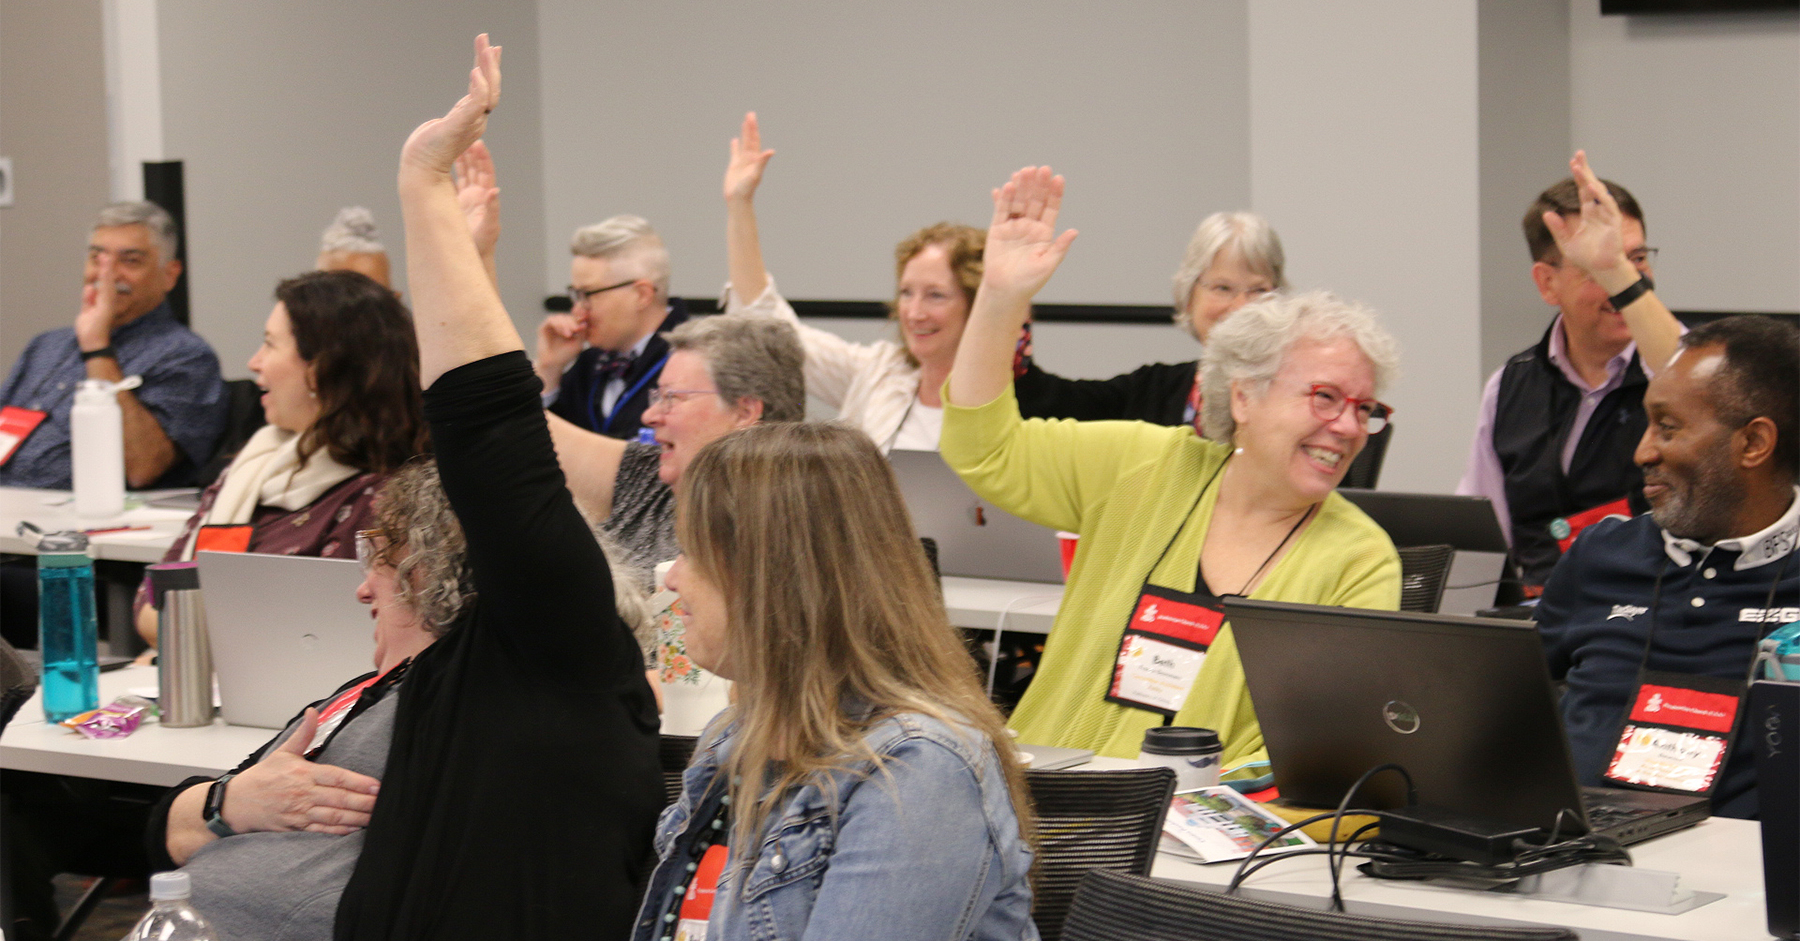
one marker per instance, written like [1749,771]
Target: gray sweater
[285,886]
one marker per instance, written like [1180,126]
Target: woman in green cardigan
[1171,522]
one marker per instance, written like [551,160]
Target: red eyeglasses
[1329,402]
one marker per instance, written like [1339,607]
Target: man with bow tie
[599,362]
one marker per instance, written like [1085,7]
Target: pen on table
[112,529]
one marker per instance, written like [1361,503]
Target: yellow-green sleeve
[1049,471]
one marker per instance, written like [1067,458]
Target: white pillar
[133,92]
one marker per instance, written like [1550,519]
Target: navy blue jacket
[1594,618]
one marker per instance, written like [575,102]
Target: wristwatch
[106,351]
[1638,288]
[215,807]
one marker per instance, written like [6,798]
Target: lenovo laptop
[974,538]
[285,630]
[1464,704]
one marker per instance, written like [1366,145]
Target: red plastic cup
[1067,541]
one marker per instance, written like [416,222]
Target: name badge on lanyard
[16,424]
[1163,647]
[696,906]
[1677,733]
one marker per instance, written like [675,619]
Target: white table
[1719,855]
[53,510]
[151,755]
[983,603]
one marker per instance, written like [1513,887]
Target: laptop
[1481,575]
[1432,519]
[1464,704]
[975,539]
[285,630]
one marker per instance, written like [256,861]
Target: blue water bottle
[67,628]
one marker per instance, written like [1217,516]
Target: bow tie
[612,365]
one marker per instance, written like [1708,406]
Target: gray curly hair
[750,358]
[1250,345]
[425,545]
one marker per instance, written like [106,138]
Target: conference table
[1719,855]
[140,534]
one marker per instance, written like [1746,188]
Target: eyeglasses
[368,550]
[1643,257]
[1329,402]
[1226,292]
[579,296]
[674,397]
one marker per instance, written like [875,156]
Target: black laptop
[1464,704]
[1432,519]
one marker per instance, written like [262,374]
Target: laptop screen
[1464,704]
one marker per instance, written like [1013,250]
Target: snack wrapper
[116,719]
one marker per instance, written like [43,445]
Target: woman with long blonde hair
[862,785]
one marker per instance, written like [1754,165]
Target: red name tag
[1685,708]
[224,538]
[1190,622]
[16,424]
[1573,525]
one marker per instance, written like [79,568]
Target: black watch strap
[1625,298]
[106,351]
[215,807]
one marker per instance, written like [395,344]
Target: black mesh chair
[1092,820]
[1116,905]
[1365,471]
[1423,571]
[243,417]
[676,752]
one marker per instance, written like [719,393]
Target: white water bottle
[97,445]
[171,918]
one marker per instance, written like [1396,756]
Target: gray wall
[889,117]
[1699,116]
[53,125]
[283,112]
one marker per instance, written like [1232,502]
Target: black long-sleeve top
[1156,393]
[522,786]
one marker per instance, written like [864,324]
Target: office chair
[1423,572]
[676,751]
[1117,905]
[243,417]
[1365,471]
[1091,820]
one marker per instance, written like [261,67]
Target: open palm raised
[1023,248]
[434,146]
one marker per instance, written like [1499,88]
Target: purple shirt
[1483,476]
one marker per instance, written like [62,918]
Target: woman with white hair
[1171,522]
[1233,259]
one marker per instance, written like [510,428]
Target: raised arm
[743,248]
[1595,243]
[478,193]
[590,462]
[457,311]
[1022,252]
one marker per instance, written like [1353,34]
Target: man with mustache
[124,328]
[1558,421]
[1638,608]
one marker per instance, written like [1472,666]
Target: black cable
[1267,841]
[1337,862]
[1412,798]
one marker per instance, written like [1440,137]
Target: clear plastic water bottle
[67,627]
[171,918]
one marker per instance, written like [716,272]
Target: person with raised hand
[1559,421]
[888,389]
[1170,522]
[523,781]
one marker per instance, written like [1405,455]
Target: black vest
[1533,413]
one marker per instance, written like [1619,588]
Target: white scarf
[268,472]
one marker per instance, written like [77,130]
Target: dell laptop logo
[1400,717]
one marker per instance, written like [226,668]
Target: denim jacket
[930,849]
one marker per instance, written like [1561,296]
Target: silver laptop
[285,630]
[974,538]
